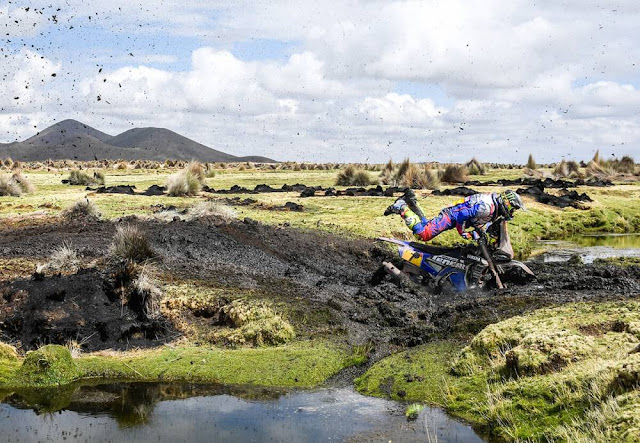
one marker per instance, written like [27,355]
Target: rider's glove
[473,235]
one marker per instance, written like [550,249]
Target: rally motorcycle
[481,264]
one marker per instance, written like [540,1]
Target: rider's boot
[411,219]
[398,207]
[410,198]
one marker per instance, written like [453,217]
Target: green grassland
[615,209]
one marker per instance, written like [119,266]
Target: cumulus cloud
[400,109]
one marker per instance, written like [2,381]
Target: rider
[474,211]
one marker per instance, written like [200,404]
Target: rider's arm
[461,230]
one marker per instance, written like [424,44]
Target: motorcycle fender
[522,266]
[412,256]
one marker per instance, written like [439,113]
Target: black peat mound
[76,308]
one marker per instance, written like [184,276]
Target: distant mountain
[66,130]
[73,140]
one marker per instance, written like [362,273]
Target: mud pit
[309,271]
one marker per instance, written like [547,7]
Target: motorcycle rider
[474,211]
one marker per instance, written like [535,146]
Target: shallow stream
[590,247]
[152,412]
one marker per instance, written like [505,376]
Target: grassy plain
[615,209]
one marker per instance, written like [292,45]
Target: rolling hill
[74,140]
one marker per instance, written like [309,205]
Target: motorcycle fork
[492,266]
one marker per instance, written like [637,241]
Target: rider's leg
[415,220]
[410,197]
[428,229]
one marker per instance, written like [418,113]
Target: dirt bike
[481,264]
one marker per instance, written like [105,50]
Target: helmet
[508,201]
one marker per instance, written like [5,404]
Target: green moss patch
[419,374]
[254,323]
[49,365]
[220,316]
[8,352]
[303,364]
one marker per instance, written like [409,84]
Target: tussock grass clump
[625,165]
[99,177]
[79,178]
[189,181]
[475,167]
[25,185]
[409,175]
[146,295]
[182,184]
[210,170]
[213,209]
[197,170]
[131,244]
[83,208]
[63,260]
[596,157]
[561,169]
[416,177]
[533,173]
[455,174]
[9,187]
[352,176]
[596,170]
[361,178]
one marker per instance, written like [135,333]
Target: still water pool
[590,247]
[152,412]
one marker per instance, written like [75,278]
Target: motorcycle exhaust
[394,272]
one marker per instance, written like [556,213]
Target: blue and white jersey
[474,211]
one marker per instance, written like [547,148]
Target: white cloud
[401,109]
[16,22]
[24,76]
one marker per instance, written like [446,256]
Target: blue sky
[337,81]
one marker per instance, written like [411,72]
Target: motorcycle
[482,264]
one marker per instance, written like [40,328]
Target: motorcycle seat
[430,249]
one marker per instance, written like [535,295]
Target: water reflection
[616,241]
[590,248]
[183,412]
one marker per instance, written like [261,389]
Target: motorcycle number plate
[413,257]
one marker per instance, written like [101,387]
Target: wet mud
[546,183]
[310,271]
[566,199]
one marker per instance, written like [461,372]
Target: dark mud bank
[307,270]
